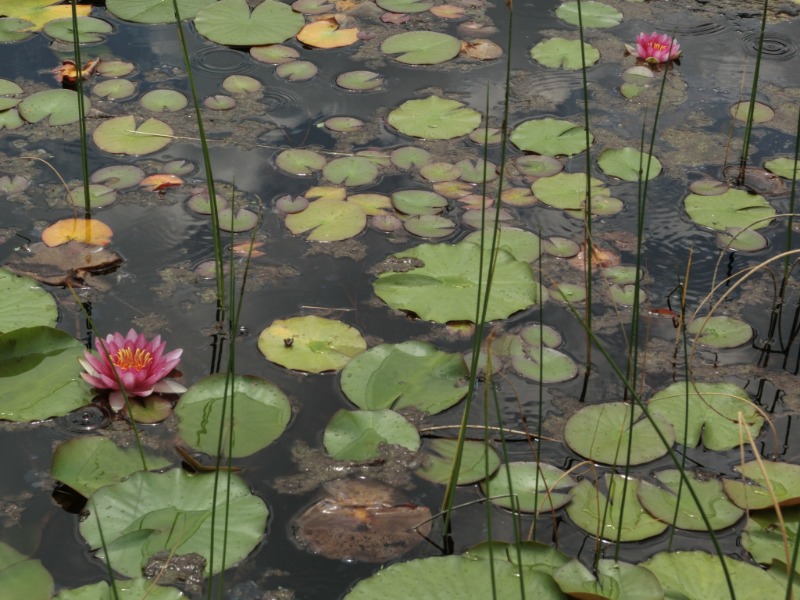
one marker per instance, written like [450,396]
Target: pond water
[158,290]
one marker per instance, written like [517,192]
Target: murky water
[162,242]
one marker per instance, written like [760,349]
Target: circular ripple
[282,102]
[215,59]
[776,46]
[86,418]
[702,28]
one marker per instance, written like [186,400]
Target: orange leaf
[68,71]
[325,33]
[161,181]
[89,231]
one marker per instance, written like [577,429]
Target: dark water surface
[162,242]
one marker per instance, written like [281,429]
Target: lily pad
[422,47]
[745,240]
[536,487]
[274,54]
[329,220]
[359,81]
[219,102]
[711,409]
[261,412]
[230,22]
[405,6]
[720,331]
[550,137]
[359,435]
[761,113]
[23,577]
[298,161]
[99,195]
[418,202]
[311,344]
[88,463]
[753,491]
[445,288]
[734,208]
[628,164]
[615,515]
[326,33]
[783,167]
[153,512]
[296,70]
[16,292]
[40,12]
[567,191]
[129,589]
[763,538]
[592,14]
[15,30]
[351,171]
[114,89]
[90,30]
[663,501]
[59,107]
[164,101]
[604,432]
[408,157]
[478,461]
[409,374]
[523,245]
[153,11]
[434,118]
[236,220]
[429,226]
[120,135]
[561,53]
[546,365]
[10,119]
[40,374]
[615,581]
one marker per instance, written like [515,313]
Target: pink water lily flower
[142,367]
[655,48]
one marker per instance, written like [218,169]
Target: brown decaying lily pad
[72,264]
[363,520]
[602,257]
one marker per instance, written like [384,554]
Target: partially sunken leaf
[298,161]
[326,33]
[604,432]
[16,292]
[23,577]
[359,435]
[231,22]
[434,118]
[328,220]
[720,331]
[153,512]
[310,344]
[589,14]
[153,11]
[628,164]
[565,54]
[90,231]
[536,487]
[59,107]
[421,47]
[88,463]
[478,461]
[752,491]
[734,208]
[550,137]
[261,412]
[121,136]
[712,409]
[409,374]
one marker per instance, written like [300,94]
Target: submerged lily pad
[445,288]
[16,292]
[23,577]
[550,137]
[231,22]
[359,435]
[311,343]
[329,220]
[154,512]
[562,53]
[628,164]
[153,11]
[478,461]
[261,412]
[761,112]
[734,208]
[720,331]
[409,374]
[59,107]
[434,118]
[120,135]
[421,47]
[537,487]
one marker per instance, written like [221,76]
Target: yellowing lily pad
[326,33]
[40,12]
[120,135]
[312,344]
[90,231]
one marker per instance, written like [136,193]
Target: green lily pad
[440,171]
[418,202]
[164,101]
[373,205]
[59,107]
[351,171]
[434,118]
[129,589]
[429,226]
[405,6]
[358,435]
[477,170]
[713,411]
[708,187]
[261,412]
[329,220]
[783,167]
[15,30]
[116,68]
[745,240]
[409,374]
[409,157]
[522,245]
[230,22]
[536,165]
[446,287]
[90,30]
[153,11]
[761,113]
[537,487]
[763,538]
[421,47]
[23,577]
[344,124]
[274,54]
[310,344]
[662,501]
[448,577]
[88,463]
[734,208]
[592,14]
[99,195]
[697,575]
[628,164]
[599,514]
[296,70]
[720,332]
[241,85]
[546,365]
[615,581]
[560,53]
[236,220]
[300,162]
[550,137]
[40,374]
[359,81]
[567,191]
[16,292]
[121,136]
[10,119]
[478,460]
[753,491]
[114,89]
[603,432]
[154,512]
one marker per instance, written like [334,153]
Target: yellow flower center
[127,358]
[657,46]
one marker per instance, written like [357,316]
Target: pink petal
[168,386]
[117,401]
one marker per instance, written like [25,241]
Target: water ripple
[216,60]
[776,46]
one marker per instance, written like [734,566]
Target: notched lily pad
[434,118]
[562,53]
[120,135]
[59,107]
[478,461]
[752,491]
[421,47]
[328,220]
[361,435]
[733,208]
[537,487]
[231,22]
[550,137]
[720,331]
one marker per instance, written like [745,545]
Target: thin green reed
[104,546]
[792,196]
[76,49]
